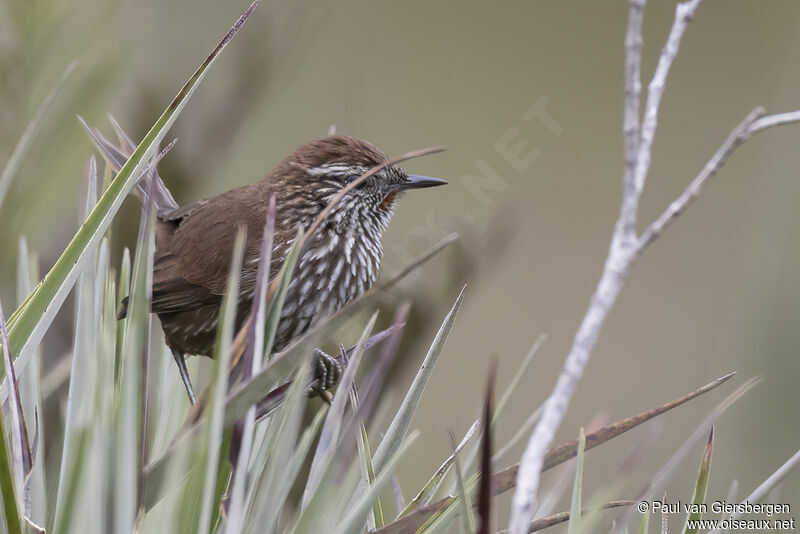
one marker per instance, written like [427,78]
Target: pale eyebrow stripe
[335,169]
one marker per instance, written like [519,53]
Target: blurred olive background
[717,293]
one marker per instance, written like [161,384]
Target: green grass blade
[522,432]
[644,524]
[367,469]
[236,509]
[356,518]
[129,410]
[253,356]
[275,369]
[64,515]
[122,292]
[18,433]
[28,324]
[464,498]
[701,486]
[276,305]
[329,438]
[505,479]
[275,465]
[10,471]
[216,412]
[517,378]
[472,457]
[243,396]
[577,488]
[402,421]
[171,401]
[430,487]
[81,394]
[30,378]
[26,140]
[280,476]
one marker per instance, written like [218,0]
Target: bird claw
[327,372]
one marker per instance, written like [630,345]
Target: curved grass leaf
[472,457]
[8,468]
[701,486]
[278,367]
[216,413]
[464,498]
[329,438]
[280,456]
[577,488]
[367,469]
[504,480]
[20,444]
[517,378]
[81,393]
[64,514]
[354,520]
[402,420]
[430,487]
[26,140]
[35,495]
[644,525]
[130,397]
[28,324]
[281,476]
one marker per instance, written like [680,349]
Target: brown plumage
[340,260]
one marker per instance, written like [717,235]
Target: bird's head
[316,171]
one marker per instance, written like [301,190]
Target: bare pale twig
[683,14]
[625,246]
[753,123]
[633,89]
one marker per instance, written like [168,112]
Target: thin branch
[625,247]
[683,14]
[778,119]
[754,122]
[633,89]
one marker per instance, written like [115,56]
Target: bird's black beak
[415,181]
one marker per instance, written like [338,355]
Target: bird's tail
[117,155]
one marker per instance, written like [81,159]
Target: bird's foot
[327,372]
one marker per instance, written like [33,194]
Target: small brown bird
[339,262]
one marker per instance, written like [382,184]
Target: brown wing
[196,242]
